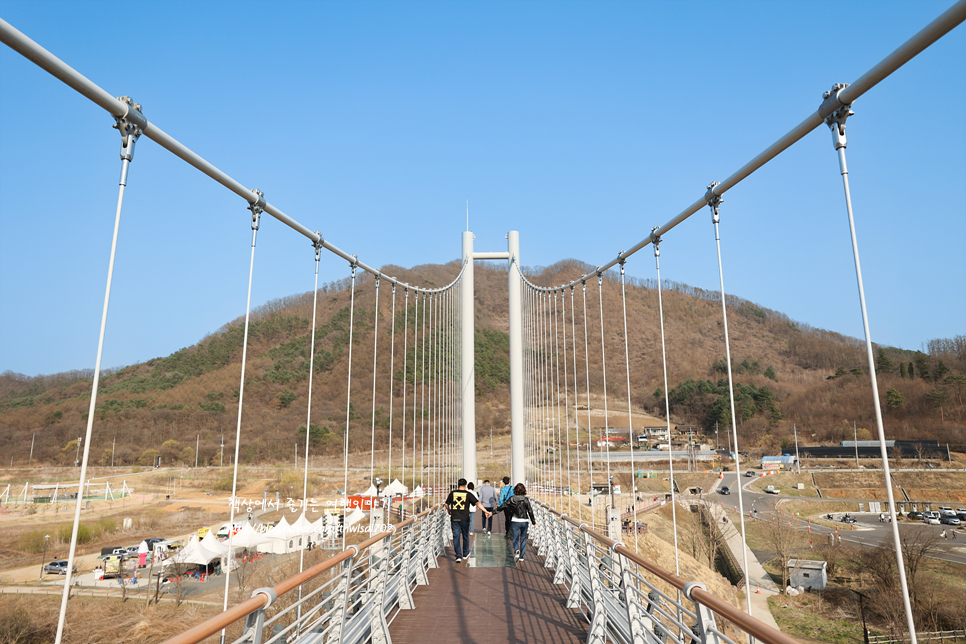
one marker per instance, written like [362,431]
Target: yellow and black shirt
[460,502]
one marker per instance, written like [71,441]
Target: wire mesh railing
[628,599]
[350,597]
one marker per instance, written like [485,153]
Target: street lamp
[610,483]
[865,630]
[44,558]
[77,455]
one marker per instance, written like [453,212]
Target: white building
[807,574]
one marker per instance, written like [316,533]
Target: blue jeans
[487,523]
[519,530]
[461,529]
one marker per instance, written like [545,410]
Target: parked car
[915,516]
[961,513]
[59,568]
[932,518]
[949,519]
[724,490]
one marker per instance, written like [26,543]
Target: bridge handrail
[261,597]
[700,596]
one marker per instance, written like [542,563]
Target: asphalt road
[868,530]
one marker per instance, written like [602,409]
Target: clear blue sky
[581,125]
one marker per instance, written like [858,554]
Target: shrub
[32,542]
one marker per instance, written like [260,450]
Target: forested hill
[785,372]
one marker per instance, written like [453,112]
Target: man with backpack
[505,493]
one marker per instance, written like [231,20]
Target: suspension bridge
[584,583]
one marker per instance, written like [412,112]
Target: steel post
[517,456]
[468,379]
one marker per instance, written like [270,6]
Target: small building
[807,574]
[784,462]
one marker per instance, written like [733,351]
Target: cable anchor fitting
[257,208]
[131,126]
[714,201]
[835,113]
[656,241]
[317,244]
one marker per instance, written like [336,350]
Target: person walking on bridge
[458,505]
[505,493]
[521,516]
[489,501]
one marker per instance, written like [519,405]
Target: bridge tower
[468,350]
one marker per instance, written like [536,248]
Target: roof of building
[807,563]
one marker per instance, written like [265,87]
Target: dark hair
[461,482]
[470,486]
[485,481]
[520,489]
[506,480]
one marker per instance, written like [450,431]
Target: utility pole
[797,460]
[855,433]
[32,448]
[80,439]
[197,443]
[221,463]
[113,443]
[491,442]
[296,456]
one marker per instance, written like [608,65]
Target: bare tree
[783,540]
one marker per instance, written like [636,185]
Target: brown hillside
[165,403]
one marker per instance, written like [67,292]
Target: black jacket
[519,507]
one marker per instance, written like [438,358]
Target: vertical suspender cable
[348,405]
[560,439]
[375,352]
[603,369]
[573,335]
[417,501]
[405,386]
[130,134]
[256,214]
[590,438]
[422,408]
[308,421]
[836,122]
[731,393]
[392,365]
[667,405]
[630,411]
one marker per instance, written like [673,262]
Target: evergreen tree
[894,399]
[770,373]
[902,369]
[882,362]
[912,371]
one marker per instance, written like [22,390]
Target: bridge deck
[489,600]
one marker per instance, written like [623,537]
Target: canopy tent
[419,492]
[212,544]
[355,517]
[289,537]
[370,491]
[192,553]
[247,537]
[395,489]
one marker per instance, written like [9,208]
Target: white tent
[192,553]
[370,491]
[287,537]
[395,489]
[247,537]
[211,543]
[419,492]
[355,517]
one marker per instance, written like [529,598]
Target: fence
[350,597]
[616,590]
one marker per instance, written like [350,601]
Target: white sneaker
[459,559]
[488,533]
[516,555]
[522,559]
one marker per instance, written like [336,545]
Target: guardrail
[350,597]
[617,591]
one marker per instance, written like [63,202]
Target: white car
[931,518]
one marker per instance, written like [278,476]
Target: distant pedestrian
[519,510]
[505,493]
[488,497]
[458,505]
[943,534]
[472,488]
